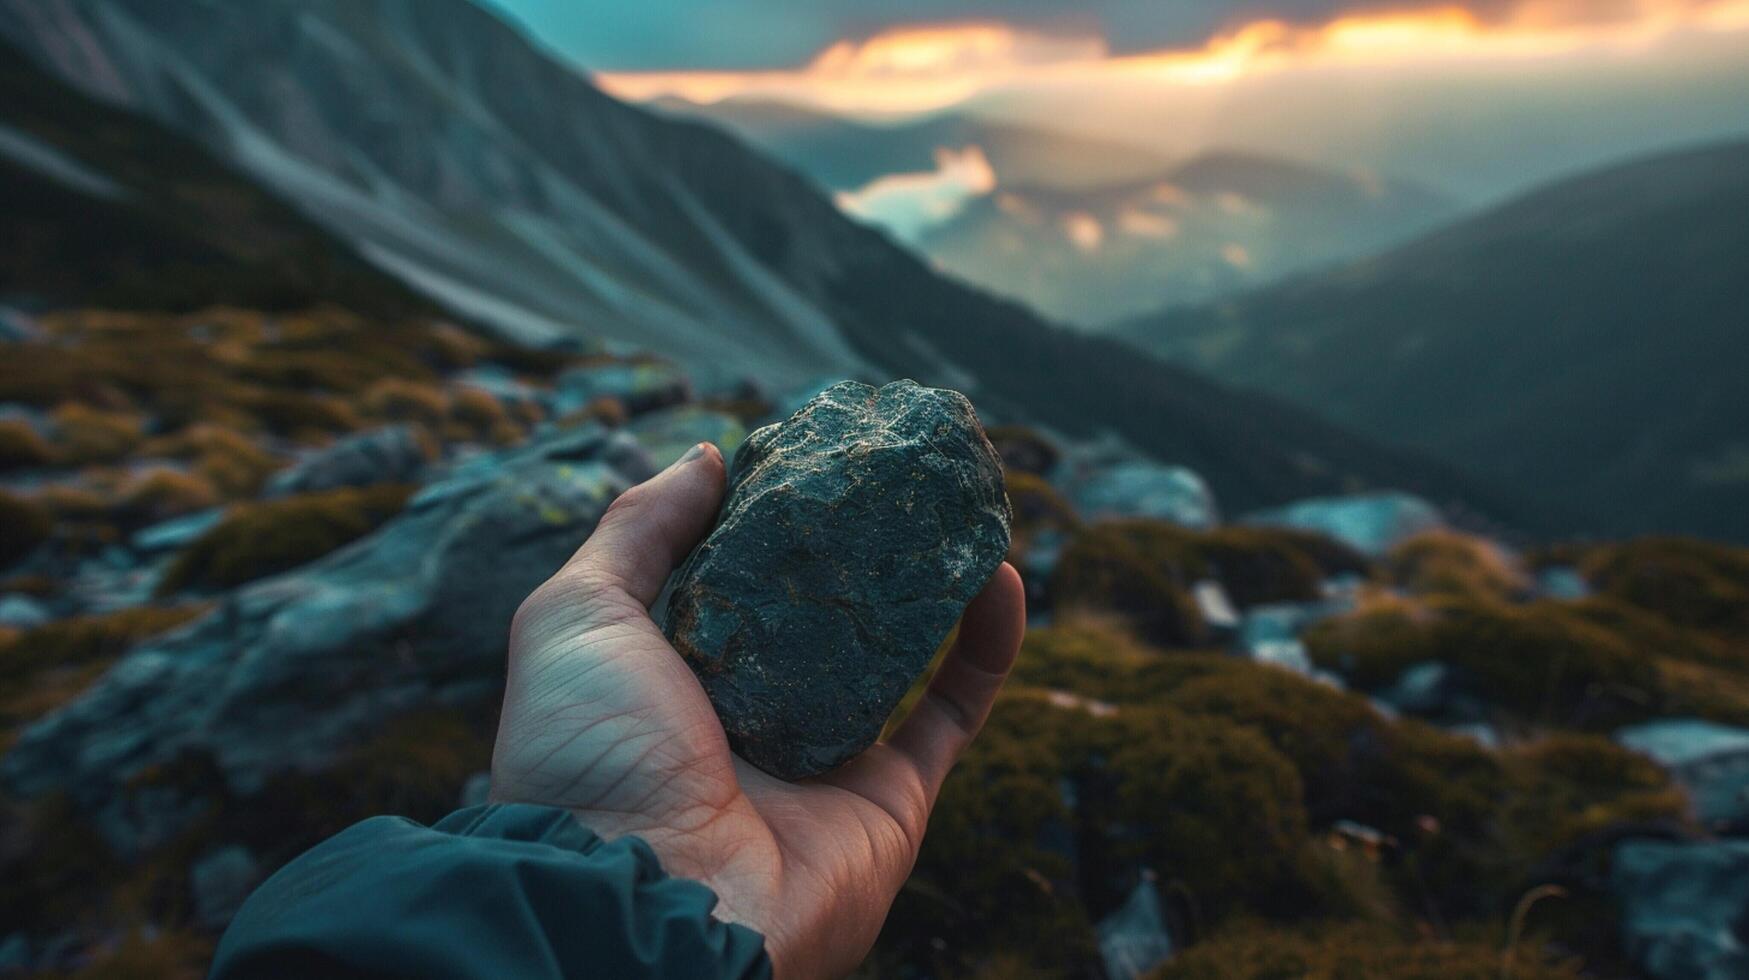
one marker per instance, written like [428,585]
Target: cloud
[911,204]
[920,68]
[1083,231]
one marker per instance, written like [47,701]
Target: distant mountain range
[1092,231]
[1586,343]
[436,142]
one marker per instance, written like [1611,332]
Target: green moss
[1570,786]
[160,494]
[24,525]
[1259,565]
[21,447]
[88,435]
[260,539]
[88,639]
[1541,662]
[1692,583]
[1138,570]
[1446,563]
[1350,952]
[232,463]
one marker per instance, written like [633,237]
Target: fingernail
[692,454]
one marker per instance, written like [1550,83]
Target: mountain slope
[449,151]
[160,224]
[1585,342]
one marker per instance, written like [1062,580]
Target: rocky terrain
[256,587]
[1289,703]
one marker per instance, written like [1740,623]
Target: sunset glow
[916,69]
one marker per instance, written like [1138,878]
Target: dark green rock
[852,537]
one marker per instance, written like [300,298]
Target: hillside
[576,215]
[1584,343]
[162,225]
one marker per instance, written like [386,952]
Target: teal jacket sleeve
[493,891]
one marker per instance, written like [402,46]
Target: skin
[602,717]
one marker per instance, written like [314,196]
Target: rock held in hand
[852,537]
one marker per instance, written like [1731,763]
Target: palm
[602,717]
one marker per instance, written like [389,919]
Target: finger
[958,699]
[652,526]
[903,775]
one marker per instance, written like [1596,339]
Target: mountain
[446,149]
[1206,227]
[161,224]
[1092,231]
[845,154]
[1585,342]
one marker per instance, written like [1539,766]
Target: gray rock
[852,537]
[289,671]
[640,386]
[1144,488]
[1372,523]
[22,612]
[1684,907]
[1562,582]
[175,533]
[1710,760]
[220,882]
[391,454]
[1134,940]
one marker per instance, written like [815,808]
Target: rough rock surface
[287,672]
[852,537]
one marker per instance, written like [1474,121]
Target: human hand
[602,717]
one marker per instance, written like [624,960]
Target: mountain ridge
[1596,364]
[671,236]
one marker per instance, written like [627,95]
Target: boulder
[1684,907]
[22,612]
[851,539]
[1372,523]
[1144,488]
[1134,940]
[391,454]
[1710,760]
[288,671]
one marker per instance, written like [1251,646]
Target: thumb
[650,528]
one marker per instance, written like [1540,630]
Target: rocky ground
[256,572]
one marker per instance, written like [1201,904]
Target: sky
[1481,97]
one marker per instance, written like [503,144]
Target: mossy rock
[1024,450]
[1263,565]
[232,463]
[24,526]
[1447,563]
[260,539]
[85,435]
[1541,662]
[160,494]
[1692,583]
[1568,787]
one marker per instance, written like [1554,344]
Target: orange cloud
[916,69]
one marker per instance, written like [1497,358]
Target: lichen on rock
[853,535]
